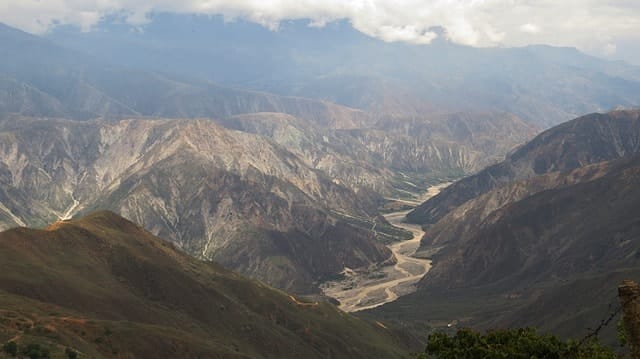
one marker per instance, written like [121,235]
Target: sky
[602,28]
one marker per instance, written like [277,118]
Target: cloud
[591,25]
[530,28]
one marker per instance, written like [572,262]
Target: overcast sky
[603,28]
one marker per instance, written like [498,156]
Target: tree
[10,348]
[71,354]
[515,343]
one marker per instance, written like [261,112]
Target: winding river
[366,290]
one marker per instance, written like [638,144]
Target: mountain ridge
[588,139]
[543,85]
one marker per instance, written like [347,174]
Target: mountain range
[283,189]
[542,84]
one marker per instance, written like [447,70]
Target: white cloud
[530,28]
[592,25]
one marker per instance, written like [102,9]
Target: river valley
[361,290]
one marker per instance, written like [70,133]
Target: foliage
[71,354]
[621,330]
[35,351]
[515,343]
[10,348]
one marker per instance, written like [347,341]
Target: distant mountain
[372,157]
[102,287]
[40,78]
[541,84]
[585,140]
[219,194]
[551,257]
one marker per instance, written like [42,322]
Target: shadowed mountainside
[550,259]
[588,139]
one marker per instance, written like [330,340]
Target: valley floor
[361,290]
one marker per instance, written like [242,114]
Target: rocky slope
[220,194]
[320,147]
[588,139]
[462,142]
[103,287]
[373,156]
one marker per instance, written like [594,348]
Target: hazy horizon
[607,29]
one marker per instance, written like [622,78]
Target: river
[361,290]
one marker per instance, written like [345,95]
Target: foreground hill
[588,139]
[219,194]
[551,257]
[105,288]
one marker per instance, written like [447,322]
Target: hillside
[551,258]
[219,194]
[589,139]
[105,288]
[394,154]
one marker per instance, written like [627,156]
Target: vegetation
[71,354]
[10,348]
[35,351]
[106,289]
[514,343]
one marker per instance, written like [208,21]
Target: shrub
[35,351]
[515,343]
[71,354]
[10,348]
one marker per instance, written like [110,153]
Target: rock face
[219,194]
[589,139]
[104,287]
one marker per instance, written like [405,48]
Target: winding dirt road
[360,291]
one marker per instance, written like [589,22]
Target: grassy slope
[104,287]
